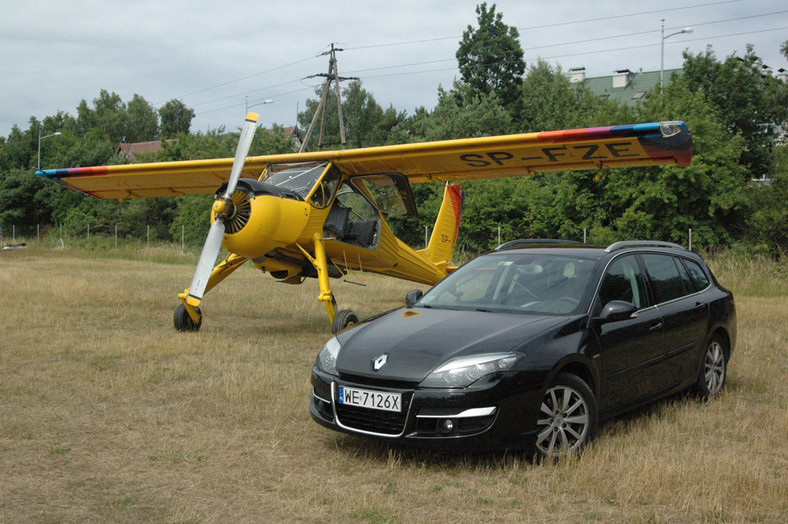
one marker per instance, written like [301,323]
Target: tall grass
[750,274]
[108,414]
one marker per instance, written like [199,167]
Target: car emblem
[380,361]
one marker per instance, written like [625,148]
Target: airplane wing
[657,143]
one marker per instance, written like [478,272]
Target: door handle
[655,327]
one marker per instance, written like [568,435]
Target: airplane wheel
[344,319]
[182,320]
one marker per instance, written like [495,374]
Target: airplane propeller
[221,207]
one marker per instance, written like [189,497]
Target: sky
[219,58]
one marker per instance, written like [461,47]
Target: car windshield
[516,281]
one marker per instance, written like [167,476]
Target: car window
[666,280]
[696,274]
[624,281]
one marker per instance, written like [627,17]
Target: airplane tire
[344,319]
[182,320]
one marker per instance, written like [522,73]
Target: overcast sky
[218,56]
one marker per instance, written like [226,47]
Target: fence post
[183,243]
[499,235]
[690,239]
[426,237]
[38,234]
[88,235]
[116,237]
[584,235]
[13,233]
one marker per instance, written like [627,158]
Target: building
[623,85]
[130,151]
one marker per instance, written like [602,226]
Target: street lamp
[686,30]
[267,101]
[40,138]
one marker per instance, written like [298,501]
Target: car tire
[568,417]
[713,369]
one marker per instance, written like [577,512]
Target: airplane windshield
[298,178]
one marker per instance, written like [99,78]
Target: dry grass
[108,414]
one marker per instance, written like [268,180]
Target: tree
[142,121]
[176,119]
[490,57]
[769,219]
[750,103]
[366,123]
[550,101]
[708,197]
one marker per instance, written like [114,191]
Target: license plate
[370,399]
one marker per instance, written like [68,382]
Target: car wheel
[568,417]
[182,320]
[713,370]
[343,319]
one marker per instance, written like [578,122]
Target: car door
[630,350]
[684,313]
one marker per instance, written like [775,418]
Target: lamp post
[267,101]
[686,30]
[40,138]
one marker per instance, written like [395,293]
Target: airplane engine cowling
[262,218]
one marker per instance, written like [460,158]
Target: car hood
[417,340]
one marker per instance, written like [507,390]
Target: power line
[567,54]
[452,59]
[545,26]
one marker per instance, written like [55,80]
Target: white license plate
[370,399]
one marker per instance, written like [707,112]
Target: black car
[530,347]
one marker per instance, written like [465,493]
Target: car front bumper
[496,415]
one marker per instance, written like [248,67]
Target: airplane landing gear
[184,322]
[343,319]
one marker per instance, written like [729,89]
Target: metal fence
[107,237]
[103,237]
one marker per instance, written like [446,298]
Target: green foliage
[550,101]
[192,219]
[176,119]
[708,197]
[366,122]
[734,111]
[751,104]
[769,210]
[461,113]
[490,57]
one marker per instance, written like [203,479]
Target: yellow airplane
[322,214]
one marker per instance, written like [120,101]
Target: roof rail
[641,243]
[522,242]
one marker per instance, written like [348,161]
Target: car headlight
[327,358]
[464,371]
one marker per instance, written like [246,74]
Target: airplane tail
[447,226]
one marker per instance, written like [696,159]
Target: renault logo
[380,361]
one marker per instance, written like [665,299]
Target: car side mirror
[617,310]
[413,296]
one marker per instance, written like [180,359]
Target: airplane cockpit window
[353,219]
[391,192]
[324,190]
[298,178]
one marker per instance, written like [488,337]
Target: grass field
[107,414]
